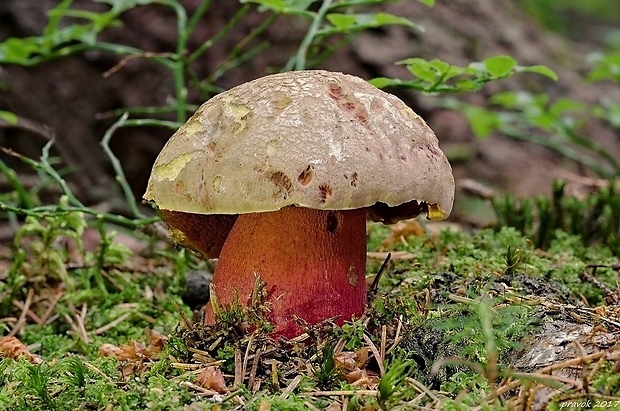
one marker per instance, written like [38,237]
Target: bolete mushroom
[277,177]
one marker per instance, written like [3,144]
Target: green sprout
[392,383]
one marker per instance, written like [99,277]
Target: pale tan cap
[314,139]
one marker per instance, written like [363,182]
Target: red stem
[312,261]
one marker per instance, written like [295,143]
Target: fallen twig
[21,321]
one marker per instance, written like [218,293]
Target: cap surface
[313,139]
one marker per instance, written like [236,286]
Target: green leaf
[606,66]
[342,21]
[56,40]
[500,66]
[99,20]
[427,70]
[511,99]
[9,117]
[438,76]
[382,19]
[284,6]
[299,5]
[275,5]
[119,6]
[54,17]
[466,84]
[564,105]
[608,112]
[429,3]
[382,82]
[353,3]
[538,69]
[482,121]
[347,22]
[18,51]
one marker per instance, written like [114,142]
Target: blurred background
[514,136]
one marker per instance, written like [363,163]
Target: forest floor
[457,321]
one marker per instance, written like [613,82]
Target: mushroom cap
[315,139]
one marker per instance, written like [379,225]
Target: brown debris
[403,230]
[11,347]
[353,367]
[136,351]
[136,355]
[212,378]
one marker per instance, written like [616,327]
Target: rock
[197,288]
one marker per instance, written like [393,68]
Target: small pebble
[197,288]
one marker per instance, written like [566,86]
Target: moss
[434,299]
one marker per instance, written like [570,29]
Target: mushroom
[277,177]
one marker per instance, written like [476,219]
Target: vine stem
[53,210]
[302,52]
[21,191]
[118,169]
[178,67]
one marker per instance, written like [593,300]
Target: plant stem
[302,52]
[235,57]
[118,169]
[54,210]
[220,34]
[561,148]
[101,46]
[193,21]
[144,110]
[151,122]
[46,167]
[180,62]
[22,194]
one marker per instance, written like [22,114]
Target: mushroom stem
[312,262]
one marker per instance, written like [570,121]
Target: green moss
[441,293]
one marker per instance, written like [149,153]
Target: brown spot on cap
[306,176]
[354,179]
[335,91]
[349,106]
[282,181]
[325,190]
[281,100]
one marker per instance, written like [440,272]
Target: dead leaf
[394,255]
[334,406]
[355,376]
[361,356]
[11,347]
[156,340]
[350,360]
[402,230]
[346,360]
[134,355]
[135,350]
[353,365]
[110,350]
[213,379]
